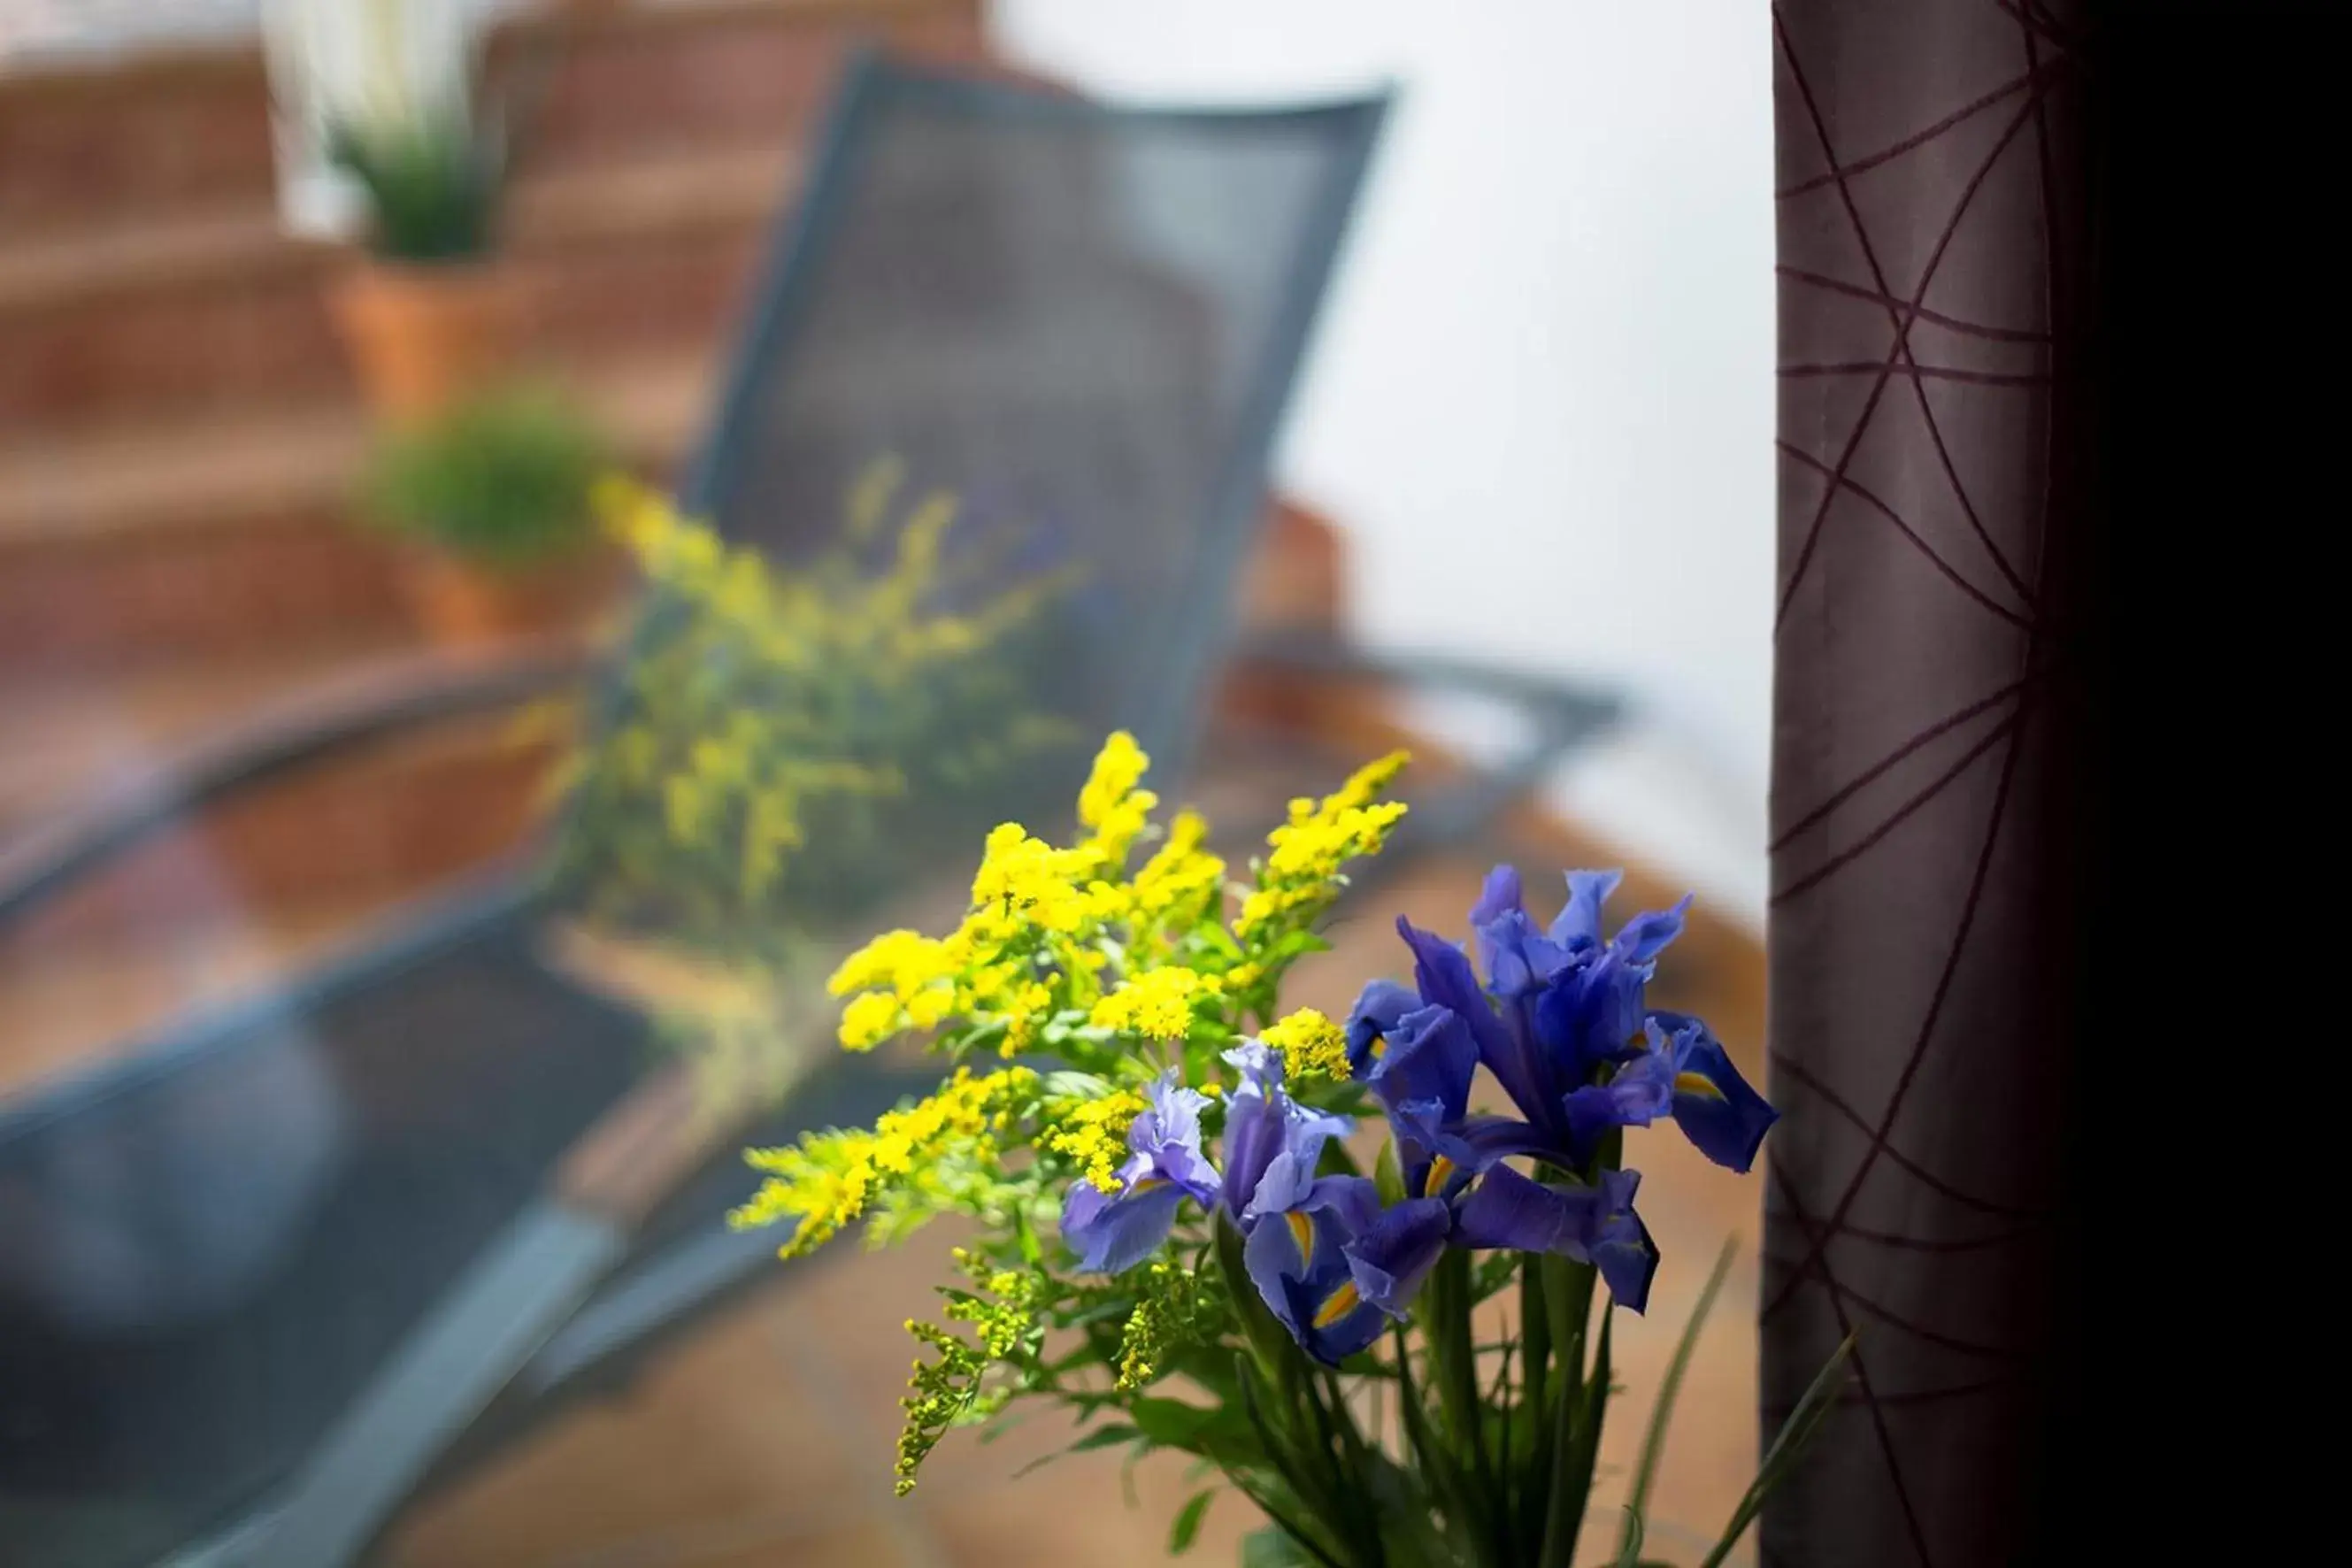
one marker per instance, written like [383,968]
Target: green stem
[1568,1296]
[1456,1353]
[1535,1327]
[1428,1458]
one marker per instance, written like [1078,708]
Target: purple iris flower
[1304,1265]
[1272,1143]
[1458,1190]
[1684,1073]
[1569,1034]
[1379,1010]
[1113,1232]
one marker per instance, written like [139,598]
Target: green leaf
[1654,1441]
[1387,1180]
[1576,1440]
[1269,1340]
[1270,1548]
[1170,1423]
[1629,1555]
[1100,1437]
[1211,1366]
[1812,1409]
[1187,1522]
[1336,1161]
[1104,1438]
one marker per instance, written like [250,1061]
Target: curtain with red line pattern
[1938,487]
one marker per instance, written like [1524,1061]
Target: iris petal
[1377,1012]
[1444,974]
[1396,1251]
[1579,917]
[1112,1235]
[1645,936]
[1724,1118]
[1431,1056]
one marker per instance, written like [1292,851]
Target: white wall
[1542,398]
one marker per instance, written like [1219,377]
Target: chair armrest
[1561,716]
[313,724]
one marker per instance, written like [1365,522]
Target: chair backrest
[1082,324]
[1083,319]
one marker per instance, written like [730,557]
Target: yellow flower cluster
[1045,923]
[1300,874]
[1311,1044]
[1168,1303]
[1030,900]
[1181,877]
[1111,808]
[1025,882]
[909,980]
[1094,1134]
[772,713]
[1157,1003]
[828,1179]
[806,619]
[1001,1308]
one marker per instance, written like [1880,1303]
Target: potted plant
[491,494]
[429,313]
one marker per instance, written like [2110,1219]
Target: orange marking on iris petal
[1441,1171]
[1696,1083]
[1145,1183]
[1302,1230]
[1338,1304]
[1380,1046]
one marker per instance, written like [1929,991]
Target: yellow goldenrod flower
[1118,767]
[828,1179]
[1024,881]
[1180,872]
[901,960]
[1310,1045]
[869,1020]
[1157,1003]
[1111,808]
[1094,1134]
[1304,855]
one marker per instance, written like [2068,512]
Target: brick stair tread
[649,194]
[70,734]
[228,465]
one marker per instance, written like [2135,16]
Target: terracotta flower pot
[461,605]
[422,335]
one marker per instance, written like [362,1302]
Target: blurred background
[320,320]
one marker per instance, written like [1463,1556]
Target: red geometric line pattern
[1932,317]
[1923,152]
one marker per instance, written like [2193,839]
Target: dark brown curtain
[1938,498]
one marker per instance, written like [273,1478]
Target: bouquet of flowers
[1406,1367]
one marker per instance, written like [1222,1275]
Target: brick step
[367,825]
[186,132]
[408,810]
[233,534]
[78,735]
[165,319]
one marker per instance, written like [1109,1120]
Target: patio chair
[272,1271]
